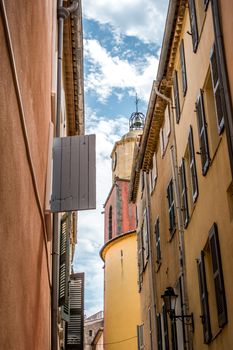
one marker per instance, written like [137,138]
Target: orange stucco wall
[24,287]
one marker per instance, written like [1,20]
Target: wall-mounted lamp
[169,298]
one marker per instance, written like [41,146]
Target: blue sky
[122,41]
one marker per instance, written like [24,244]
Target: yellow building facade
[119,253]
[184,184]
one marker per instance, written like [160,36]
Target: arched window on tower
[110,223]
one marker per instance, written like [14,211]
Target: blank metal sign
[74,173]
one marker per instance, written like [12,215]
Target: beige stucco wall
[121,303]
[212,203]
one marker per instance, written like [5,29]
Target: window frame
[171,208]
[183,68]
[192,166]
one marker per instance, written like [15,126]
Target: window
[184,197]
[90,332]
[176,96]
[110,223]
[136,215]
[140,330]
[171,208]
[211,283]
[192,165]
[218,91]
[153,173]
[202,129]
[159,332]
[183,68]
[193,24]
[157,240]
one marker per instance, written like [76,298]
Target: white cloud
[91,223]
[109,72]
[143,19]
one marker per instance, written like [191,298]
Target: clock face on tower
[114,161]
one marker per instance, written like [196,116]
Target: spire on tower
[137,119]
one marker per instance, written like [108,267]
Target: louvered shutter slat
[204,299]
[218,276]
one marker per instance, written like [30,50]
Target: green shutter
[184,198]
[64,271]
[192,165]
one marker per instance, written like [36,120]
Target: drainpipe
[62,14]
[175,175]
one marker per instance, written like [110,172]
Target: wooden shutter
[218,276]
[75,327]
[183,68]
[202,129]
[159,332]
[192,165]
[140,253]
[176,96]
[193,24]
[157,239]
[218,90]
[205,316]
[171,208]
[165,328]
[145,231]
[64,271]
[140,337]
[184,197]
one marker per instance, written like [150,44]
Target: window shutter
[204,299]
[140,252]
[183,68]
[136,215]
[218,90]
[171,208]
[193,24]
[145,229]
[140,337]
[165,328]
[157,238]
[184,198]
[192,164]
[176,96]
[203,138]
[64,271]
[159,332]
[75,327]
[218,276]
